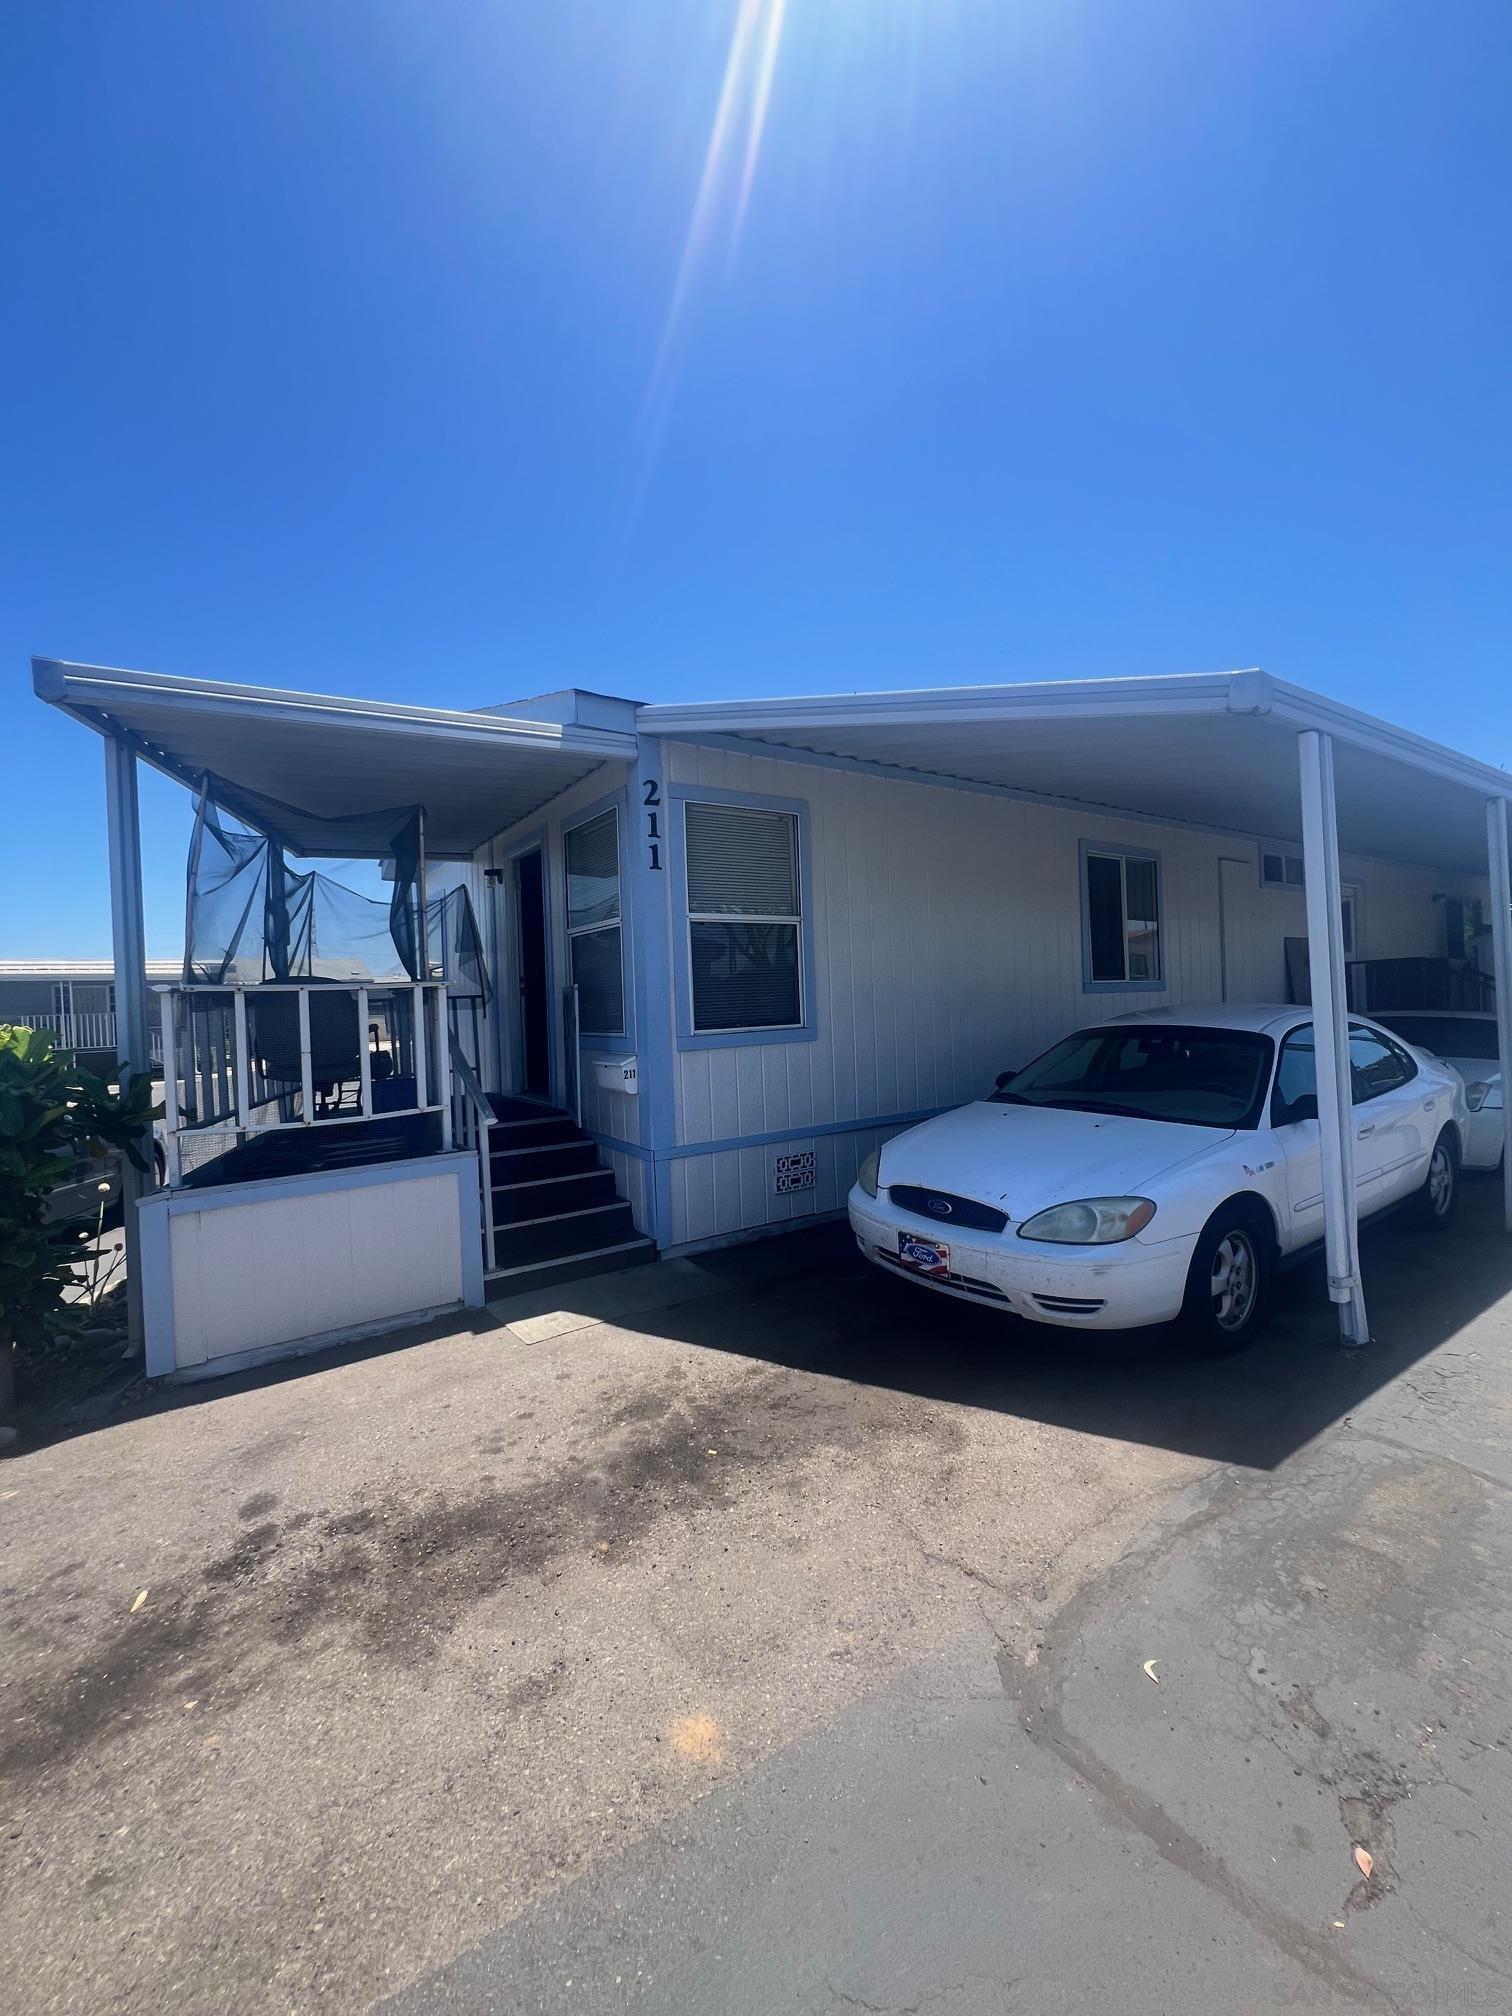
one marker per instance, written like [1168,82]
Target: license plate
[924,1256]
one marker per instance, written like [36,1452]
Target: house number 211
[653,830]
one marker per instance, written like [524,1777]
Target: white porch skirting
[237,1275]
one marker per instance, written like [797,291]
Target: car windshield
[1446,1035]
[1199,1077]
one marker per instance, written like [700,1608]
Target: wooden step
[515,1203]
[526,1165]
[511,1106]
[507,1135]
[507,1281]
[565,1236]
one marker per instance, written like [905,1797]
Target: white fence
[94,1030]
[245,1061]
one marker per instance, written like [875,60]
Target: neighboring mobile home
[73,999]
[791,927]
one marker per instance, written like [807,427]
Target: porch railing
[89,1029]
[472,1124]
[242,1062]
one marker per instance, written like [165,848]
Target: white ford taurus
[1157,1166]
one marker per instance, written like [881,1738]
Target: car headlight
[1091,1221]
[867,1177]
[1477,1094]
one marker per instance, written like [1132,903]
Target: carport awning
[1212,750]
[475,774]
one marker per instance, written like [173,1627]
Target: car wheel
[1438,1200]
[1228,1282]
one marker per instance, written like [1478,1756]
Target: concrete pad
[449,1652]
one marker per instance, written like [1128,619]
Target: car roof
[1264,1017]
[1438,1014]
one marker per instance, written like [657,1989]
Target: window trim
[1116,850]
[678,797]
[614,803]
[1284,853]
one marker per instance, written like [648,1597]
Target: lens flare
[744,99]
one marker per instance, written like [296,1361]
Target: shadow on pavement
[807,1302]
[827,1312]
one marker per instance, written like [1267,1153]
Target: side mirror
[1303,1107]
[1003,1079]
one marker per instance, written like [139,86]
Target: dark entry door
[535,1011]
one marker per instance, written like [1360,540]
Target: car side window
[1297,1071]
[1376,1064]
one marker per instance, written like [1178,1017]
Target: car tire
[1228,1283]
[1438,1200]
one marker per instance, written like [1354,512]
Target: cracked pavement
[758,1635]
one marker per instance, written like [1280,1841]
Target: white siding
[278,1264]
[948,947]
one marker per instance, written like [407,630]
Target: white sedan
[1465,1038]
[1154,1167]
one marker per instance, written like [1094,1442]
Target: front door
[535,1009]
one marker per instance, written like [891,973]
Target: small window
[745,918]
[594,949]
[1121,915]
[1280,870]
[1376,1064]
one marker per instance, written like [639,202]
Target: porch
[341,1152]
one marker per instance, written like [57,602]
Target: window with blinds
[594,950]
[1121,917]
[745,917]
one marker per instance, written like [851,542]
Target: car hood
[1024,1158]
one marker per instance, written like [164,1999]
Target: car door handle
[1364,1131]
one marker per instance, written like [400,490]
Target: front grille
[1068,1305]
[952,1210]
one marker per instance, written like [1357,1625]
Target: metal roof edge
[1303,708]
[1175,692]
[89,690]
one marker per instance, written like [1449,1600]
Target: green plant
[52,1116]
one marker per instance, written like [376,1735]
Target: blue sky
[1057,339]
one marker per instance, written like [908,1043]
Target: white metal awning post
[1325,946]
[129,945]
[1501,947]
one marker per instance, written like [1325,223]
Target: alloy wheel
[1440,1181]
[1236,1280]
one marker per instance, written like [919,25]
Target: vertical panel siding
[947,933]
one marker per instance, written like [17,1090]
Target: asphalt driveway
[417,1674]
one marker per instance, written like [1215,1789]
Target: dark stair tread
[565,1236]
[519,1203]
[505,1281]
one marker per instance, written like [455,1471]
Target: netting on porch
[252,917]
[306,1004]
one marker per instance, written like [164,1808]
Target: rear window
[1446,1035]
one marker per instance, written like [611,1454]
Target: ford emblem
[938,1207]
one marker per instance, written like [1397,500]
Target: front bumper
[1081,1287]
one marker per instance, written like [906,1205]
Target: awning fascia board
[1104,699]
[91,691]
[1250,692]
